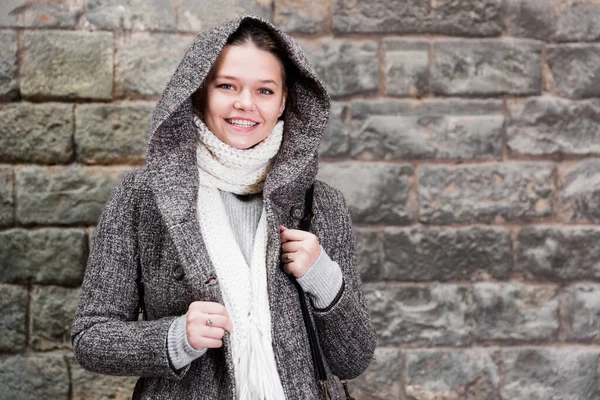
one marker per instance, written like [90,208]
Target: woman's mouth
[241,123]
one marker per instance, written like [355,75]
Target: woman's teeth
[242,122]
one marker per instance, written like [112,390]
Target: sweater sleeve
[181,352]
[323,281]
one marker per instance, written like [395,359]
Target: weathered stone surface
[41,133]
[131,14]
[48,256]
[8,65]
[336,140]
[88,385]
[470,374]
[63,195]
[487,67]
[579,191]
[347,67]
[145,63]
[7,204]
[575,69]
[13,312]
[52,312]
[406,67]
[34,377]
[515,312]
[581,312]
[484,193]
[375,192]
[198,15]
[420,315]
[550,125]
[41,14]
[408,129]
[543,374]
[303,16]
[554,20]
[107,134]
[370,253]
[481,18]
[69,65]
[558,253]
[382,379]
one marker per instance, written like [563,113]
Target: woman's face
[245,97]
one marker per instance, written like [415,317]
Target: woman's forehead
[249,63]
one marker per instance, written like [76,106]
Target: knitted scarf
[244,287]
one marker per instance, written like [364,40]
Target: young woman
[205,238]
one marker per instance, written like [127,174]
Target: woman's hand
[206,324]
[299,250]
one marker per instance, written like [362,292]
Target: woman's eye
[265,91]
[225,86]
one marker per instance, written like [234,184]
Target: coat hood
[171,155]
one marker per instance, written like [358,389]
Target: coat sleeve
[106,334]
[345,328]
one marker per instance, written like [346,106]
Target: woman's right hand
[199,333]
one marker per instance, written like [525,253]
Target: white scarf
[244,287]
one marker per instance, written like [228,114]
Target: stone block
[474,18]
[579,191]
[439,129]
[487,67]
[88,385]
[9,86]
[469,374]
[47,256]
[34,377]
[485,193]
[347,67]
[52,312]
[139,15]
[7,203]
[381,381]
[558,253]
[336,139]
[38,133]
[200,15]
[545,373]
[515,312]
[111,134]
[145,62]
[580,314]
[63,195]
[574,69]
[550,125]
[370,253]
[432,315]
[13,312]
[375,192]
[406,67]
[67,65]
[303,16]
[41,14]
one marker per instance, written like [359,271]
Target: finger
[213,333]
[287,258]
[208,307]
[291,247]
[218,321]
[294,234]
[205,343]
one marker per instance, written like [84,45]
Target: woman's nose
[244,101]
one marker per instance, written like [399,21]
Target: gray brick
[8,65]
[420,315]
[336,140]
[89,385]
[347,67]
[579,191]
[67,65]
[558,253]
[131,14]
[63,195]
[41,14]
[544,374]
[200,15]
[13,312]
[474,18]
[574,69]
[468,374]
[110,134]
[370,252]
[439,129]
[40,133]
[550,125]
[484,193]
[48,256]
[303,16]
[406,67]
[383,195]
[487,67]
[34,377]
[580,312]
[145,63]
[515,312]
[7,204]
[382,379]
[52,312]
[554,20]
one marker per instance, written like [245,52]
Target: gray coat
[149,236]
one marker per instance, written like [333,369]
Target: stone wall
[465,136]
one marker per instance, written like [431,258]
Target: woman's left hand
[299,250]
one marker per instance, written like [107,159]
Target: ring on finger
[288,258]
[209,320]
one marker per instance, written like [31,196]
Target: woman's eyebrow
[233,78]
